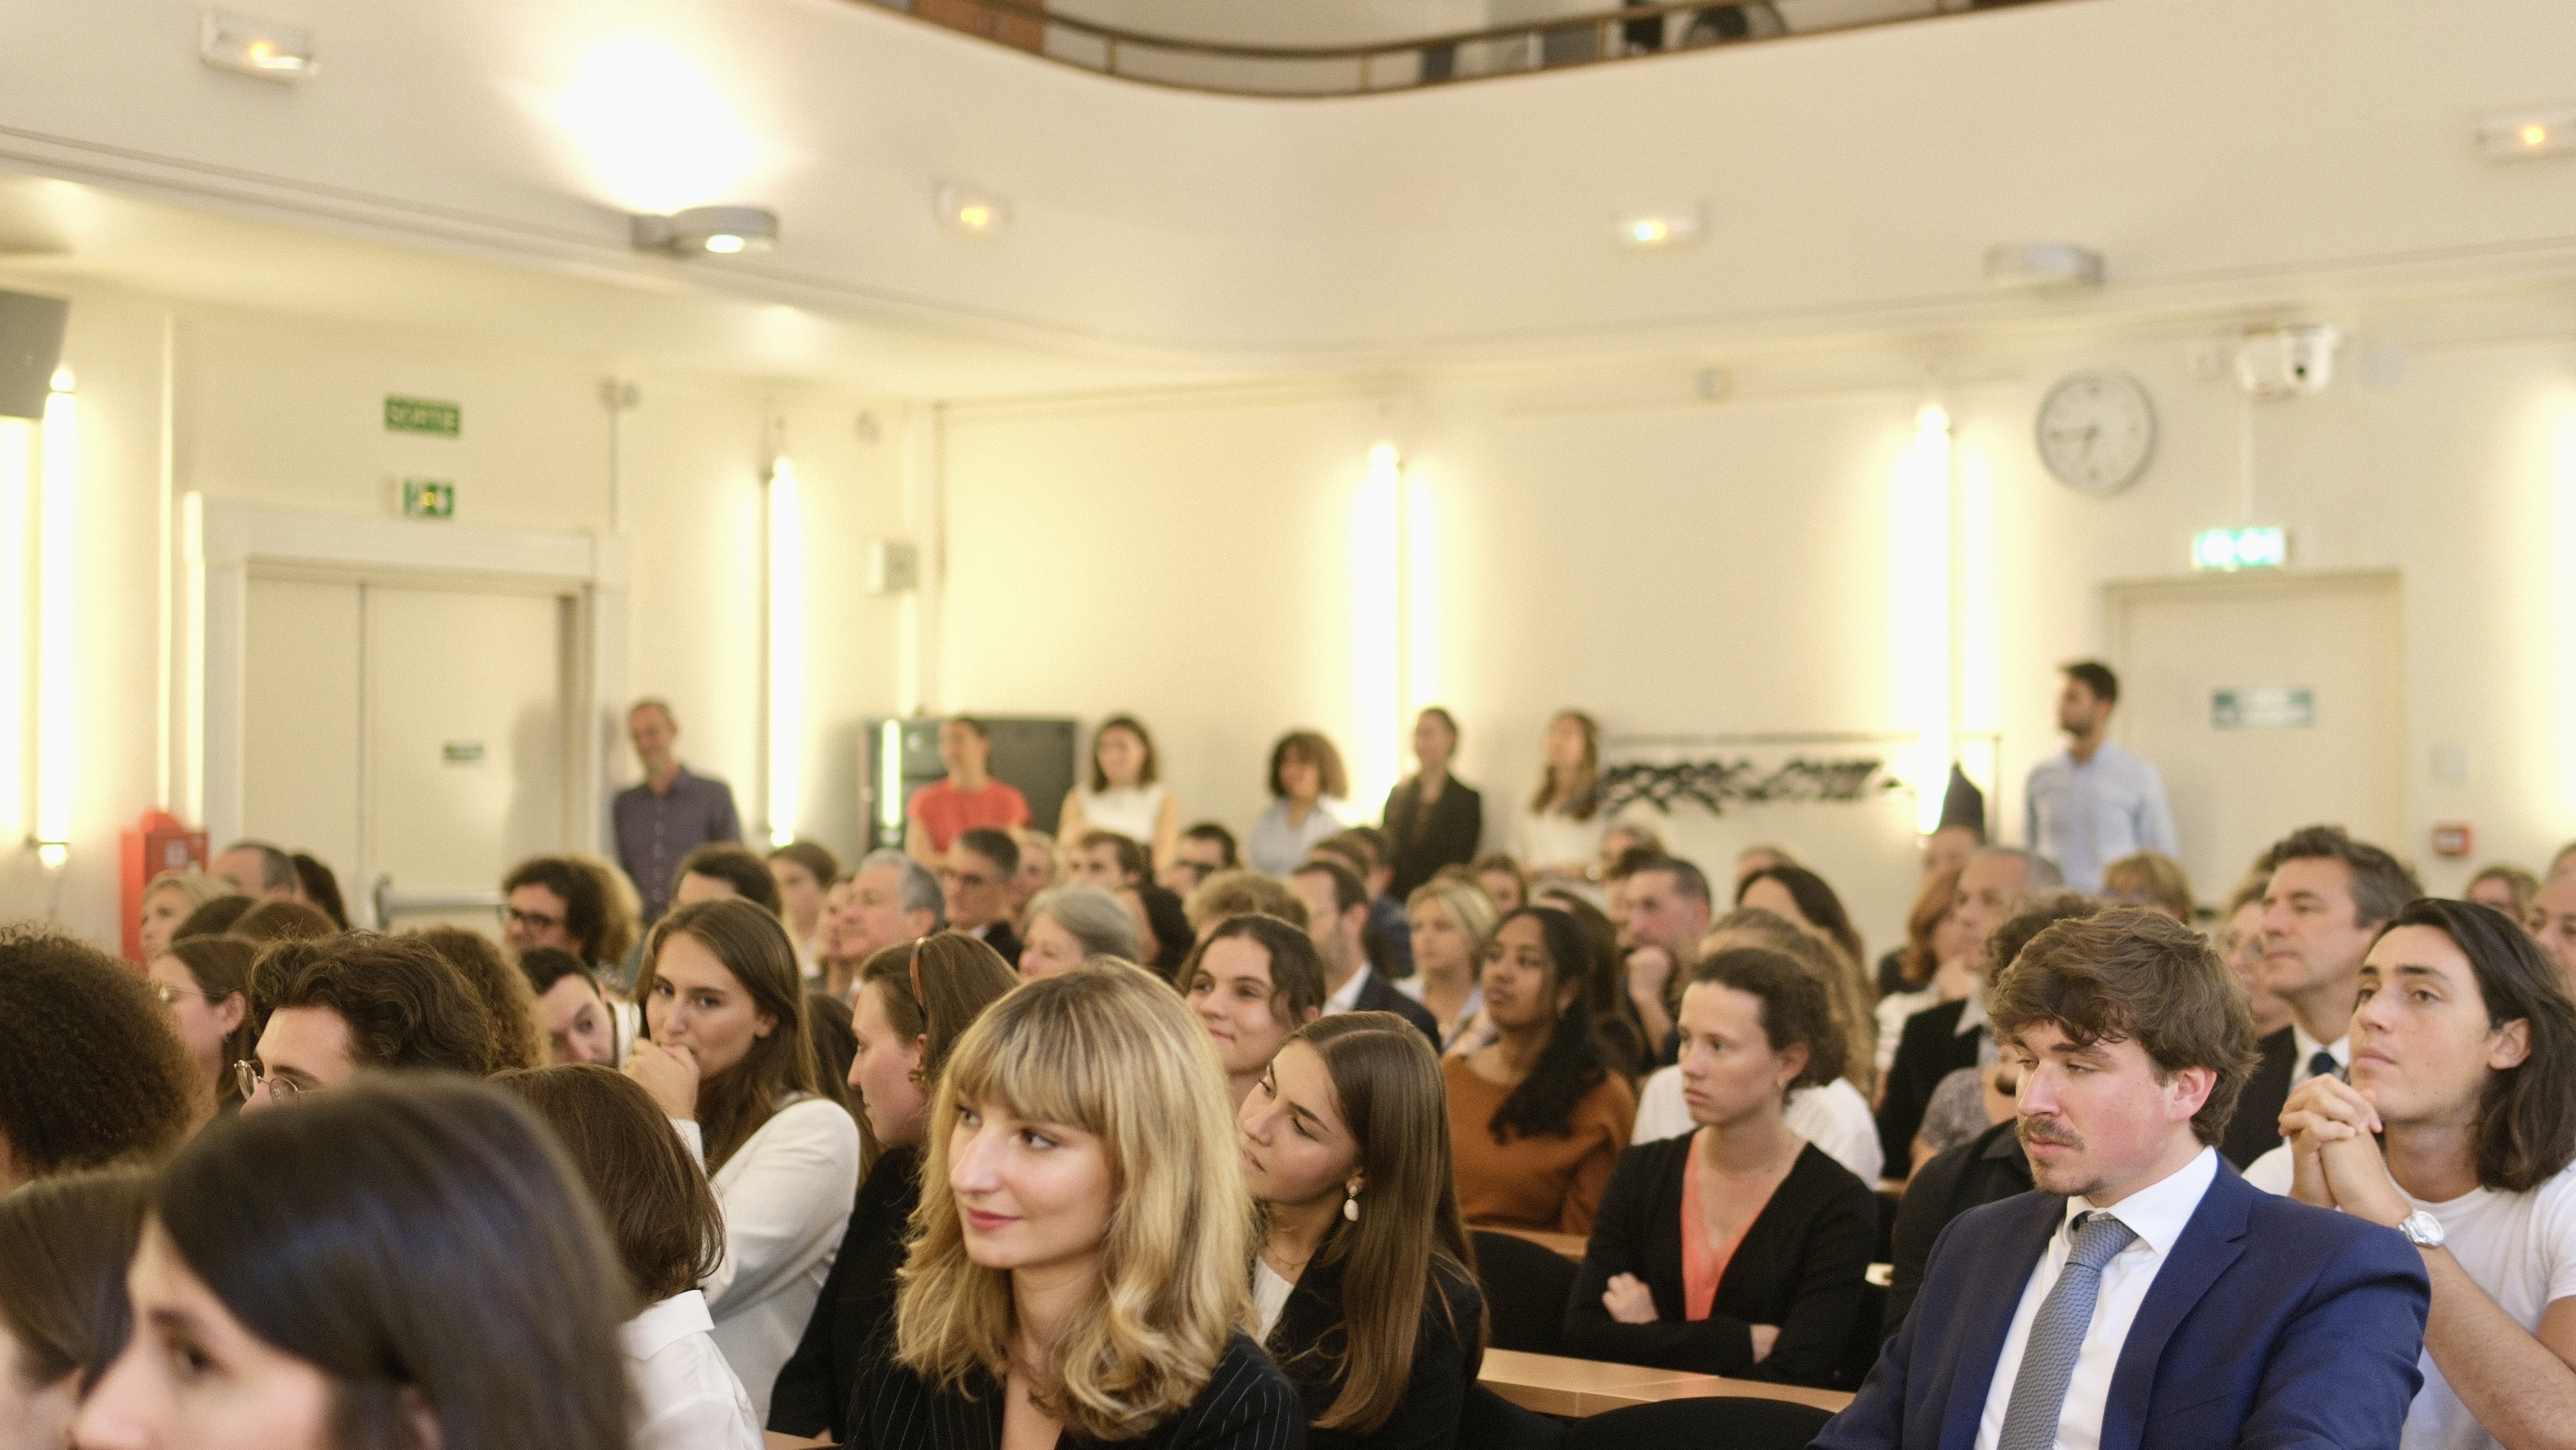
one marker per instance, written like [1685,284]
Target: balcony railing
[1356,70]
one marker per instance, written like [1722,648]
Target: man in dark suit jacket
[2143,1296]
[1337,918]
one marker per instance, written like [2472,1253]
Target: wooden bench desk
[1574,1388]
[1568,1245]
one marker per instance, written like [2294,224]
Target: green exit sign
[428,498]
[2231,549]
[420,415]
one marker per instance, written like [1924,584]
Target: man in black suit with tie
[1337,912]
[2326,899]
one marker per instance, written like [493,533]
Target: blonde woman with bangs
[1077,1271]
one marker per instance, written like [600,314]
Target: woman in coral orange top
[1536,1118]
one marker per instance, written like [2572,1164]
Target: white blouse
[1132,811]
[786,1196]
[686,1396]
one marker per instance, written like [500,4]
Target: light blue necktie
[2057,1335]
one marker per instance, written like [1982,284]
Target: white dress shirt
[2308,1048]
[2157,1214]
[686,1396]
[2086,815]
[786,1195]
[1834,1117]
[1348,998]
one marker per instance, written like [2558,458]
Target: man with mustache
[2143,1295]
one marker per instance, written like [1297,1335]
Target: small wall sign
[420,415]
[462,752]
[2264,707]
[428,498]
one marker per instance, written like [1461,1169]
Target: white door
[2268,702]
[407,732]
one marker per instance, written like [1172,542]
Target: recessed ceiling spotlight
[250,46]
[1679,227]
[724,230]
[2509,134]
[2043,264]
[971,212]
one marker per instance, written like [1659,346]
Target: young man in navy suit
[2143,1296]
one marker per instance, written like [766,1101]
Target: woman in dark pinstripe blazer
[1077,1267]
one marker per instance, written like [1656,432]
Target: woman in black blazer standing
[1364,1288]
[1739,1249]
[915,1000]
[1432,819]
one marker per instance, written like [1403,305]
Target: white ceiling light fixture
[2042,264]
[2510,135]
[971,212]
[1650,230]
[723,230]
[248,45]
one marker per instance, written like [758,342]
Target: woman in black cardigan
[1433,819]
[914,1002]
[1364,1286]
[1739,1249]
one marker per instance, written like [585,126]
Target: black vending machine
[1032,752]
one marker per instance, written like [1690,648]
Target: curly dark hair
[517,1040]
[1794,1007]
[91,1072]
[1571,1065]
[405,1006]
[578,887]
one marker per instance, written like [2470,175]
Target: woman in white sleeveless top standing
[1124,793]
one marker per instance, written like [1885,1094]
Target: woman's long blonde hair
[1110,1050]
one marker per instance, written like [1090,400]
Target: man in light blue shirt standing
[2093,802]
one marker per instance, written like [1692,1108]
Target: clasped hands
[2331,1127]
[1631,1302]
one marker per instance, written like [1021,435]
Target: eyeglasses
[535,921]
[170,995]
[280,1091]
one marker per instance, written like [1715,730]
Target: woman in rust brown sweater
[1536,1118]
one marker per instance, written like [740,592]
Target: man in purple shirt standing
[671,814]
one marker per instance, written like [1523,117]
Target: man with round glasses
[328,1007]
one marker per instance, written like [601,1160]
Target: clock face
[2096,431]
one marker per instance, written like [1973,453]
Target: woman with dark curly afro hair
[90,1070]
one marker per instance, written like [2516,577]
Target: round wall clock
[2096,431]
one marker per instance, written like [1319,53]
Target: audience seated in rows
[2457,1128]
[1536,1118]
[669,1235]
[65,1243]
[405,1261]
[730,1059]
[2148,1295]
[1252,981]
[1081,1251]
[1364,1288]
[90,1072]
[1337,915]
[1738,1248]
[914,1002]
[2325,898]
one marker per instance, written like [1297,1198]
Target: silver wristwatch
[2422,1229]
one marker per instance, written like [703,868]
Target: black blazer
[1931,1049]
[1801,1265]
[1448,838]
[1308,1343]
[1986,1169]
[1381,995]
[1002,939]
[812,1394]
[2256,1128]
[1247,1405]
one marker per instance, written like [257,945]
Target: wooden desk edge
[1569,1246]
[1575,1388]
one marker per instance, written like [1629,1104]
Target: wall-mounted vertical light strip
[57,678]
[1919,636]
[17,454]
[1980,647]
[786,661]
[889,791]
[1421,525]
[192,650]
[2560,562]
[1377,630]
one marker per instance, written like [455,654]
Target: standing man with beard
[2143,1295]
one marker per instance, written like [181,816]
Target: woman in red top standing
[1740,1248]
[965,798]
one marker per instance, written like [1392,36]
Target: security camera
[2283,362]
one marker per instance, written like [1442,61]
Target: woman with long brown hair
[205,983]
[1365,1282]
[731,1059]
[1558,833]
[914,1001]
[64,1245]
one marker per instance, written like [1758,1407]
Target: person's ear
[232,1012]
[2512,1045]
[766,1024]
[1794,1058]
